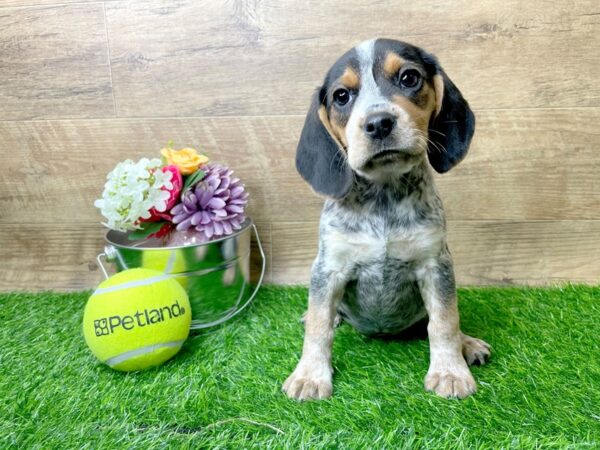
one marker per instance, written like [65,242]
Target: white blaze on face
[369,97]
[370,100]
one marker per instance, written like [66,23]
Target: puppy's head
[383,106]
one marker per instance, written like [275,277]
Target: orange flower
[187,160]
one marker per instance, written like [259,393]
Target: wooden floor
[85,84]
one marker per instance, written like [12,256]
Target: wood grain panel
[54,62]
[294,250]
[39,257]
[523,208]
[30,3]
[528,165]
[524,165]
[61,165]
[248,57]
[51,256]
[497,253]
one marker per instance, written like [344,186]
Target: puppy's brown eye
[410,78]
[341,96]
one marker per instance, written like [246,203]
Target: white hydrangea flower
[131,191]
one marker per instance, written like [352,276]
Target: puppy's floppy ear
[319,158]
[451,127]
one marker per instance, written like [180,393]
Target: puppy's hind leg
[312,378]
[475,351]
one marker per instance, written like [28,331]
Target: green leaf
[147,229]
[193,179]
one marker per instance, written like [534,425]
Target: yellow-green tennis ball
[166,261]
[137,319]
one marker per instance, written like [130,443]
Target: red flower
[175,191]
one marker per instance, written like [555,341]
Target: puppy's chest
[413,244]
[403,237]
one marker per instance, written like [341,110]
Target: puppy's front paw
[310,381]
[454,382]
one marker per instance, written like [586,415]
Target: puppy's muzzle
[378,126]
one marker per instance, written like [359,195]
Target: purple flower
[214,206]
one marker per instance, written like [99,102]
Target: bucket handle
[99,258]
[109,252]
[256,288]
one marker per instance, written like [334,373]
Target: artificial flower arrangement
[181,198]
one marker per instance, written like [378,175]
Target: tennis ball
[136,319]
[166,261]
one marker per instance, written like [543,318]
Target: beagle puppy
[386,114]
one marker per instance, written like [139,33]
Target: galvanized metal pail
[215,274]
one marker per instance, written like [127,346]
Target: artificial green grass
[540,390]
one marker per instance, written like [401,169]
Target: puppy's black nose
[380,125]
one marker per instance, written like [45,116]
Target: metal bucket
[215,274]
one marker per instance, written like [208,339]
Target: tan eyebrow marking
[392,64]
[350,79]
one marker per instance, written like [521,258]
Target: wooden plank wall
[84,84]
